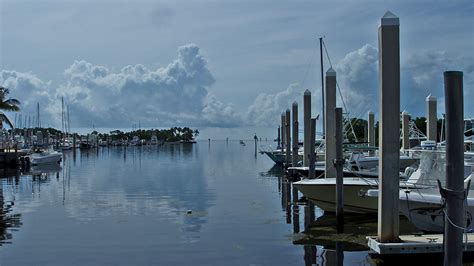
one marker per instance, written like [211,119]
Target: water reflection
[8,221]
[116,184]
[316,239]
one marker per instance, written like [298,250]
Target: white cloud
[267,108]
[29,90]
[357,75]
[167,96]
[177,94]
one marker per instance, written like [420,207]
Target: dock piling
[312,156]
[431,118]
[74,143]
[371,131]
[406,137]
[294,158]
[288,136]
[278,138]
[307,126]
[338,163]
[330,122]
[454,212]
[282,128]
[389,134]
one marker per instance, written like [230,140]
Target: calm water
[129,206]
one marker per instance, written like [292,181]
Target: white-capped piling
[431,119]
[294,158]
[307,126]
[330,121]
[405,130]
[455,196]
[282,129]
[288,136]
[371,131]
[312,155]
[389,129]
[338,163]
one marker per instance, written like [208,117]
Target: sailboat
[65,143]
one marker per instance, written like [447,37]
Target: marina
[372,161]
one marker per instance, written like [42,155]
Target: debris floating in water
[189,211]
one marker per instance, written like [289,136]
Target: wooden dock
[416,244]
[10,158]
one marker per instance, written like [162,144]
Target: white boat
[154,140]
[65,145]
[357,165]
[356,197]
[425,210]
[135,141]
[279,157]
[46,157]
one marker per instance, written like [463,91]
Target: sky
[223,64]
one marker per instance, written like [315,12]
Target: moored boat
[45,157]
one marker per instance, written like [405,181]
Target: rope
[309,65]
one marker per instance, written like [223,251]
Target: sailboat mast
[38,115]
[322,81]
[68,125]
[62,114]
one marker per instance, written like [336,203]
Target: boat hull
[323,193]
[47,159]
[426,212]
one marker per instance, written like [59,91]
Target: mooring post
[288,136]
[278,139]
[73,142]
[431,118]
[338,163]
[371,132]
[454,218]
[312,155]
[294,159]
[255,139]
[283,129]
[389,128]
[405,130]
[307,126]
[330,122]
[296,210]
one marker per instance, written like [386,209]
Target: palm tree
[8,104]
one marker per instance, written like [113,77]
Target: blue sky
[220,63]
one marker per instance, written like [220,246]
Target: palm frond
[9,107]
[12,101]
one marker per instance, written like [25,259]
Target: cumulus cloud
[423,75]
[176,94]
[29,89]
[357,76]
[266,108]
